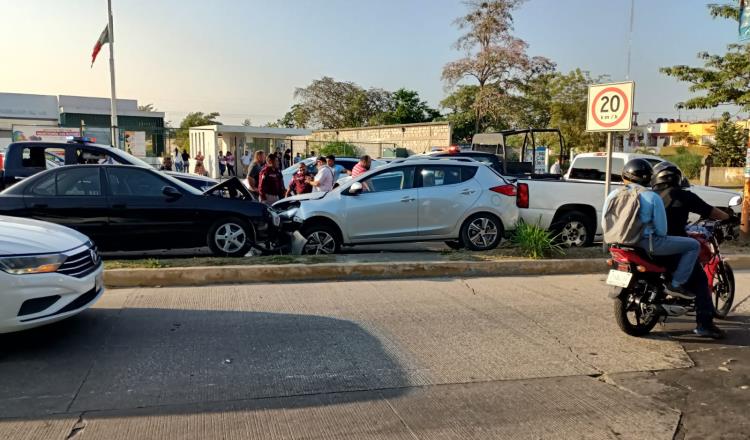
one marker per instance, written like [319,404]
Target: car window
[393,180]
[44,186]
[42,157]
[86,156]
[78,182]
[134,181]
[468,173]
[593,168]
[436,175]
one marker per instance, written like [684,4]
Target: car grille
[81,264]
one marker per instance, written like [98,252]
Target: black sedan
[134,208]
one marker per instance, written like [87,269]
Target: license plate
[619,279]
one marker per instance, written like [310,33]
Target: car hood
[25,236]
[309,196]
[180,176]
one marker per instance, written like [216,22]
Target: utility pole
[115,130]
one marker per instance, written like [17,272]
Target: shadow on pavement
[134,358]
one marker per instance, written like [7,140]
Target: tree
[296,117]
[728,149]
[494,57]
[247,122]
[406,108]
[147,108]
[724,79]
[194,119]
[328,103]
[462,115]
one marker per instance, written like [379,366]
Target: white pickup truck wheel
[574,229]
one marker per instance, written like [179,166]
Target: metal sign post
[745,226]
[610,109]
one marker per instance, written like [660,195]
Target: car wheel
[321,240]
[230,237]
[574,229]
[482,232]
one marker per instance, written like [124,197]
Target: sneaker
[712,332]
[680,292]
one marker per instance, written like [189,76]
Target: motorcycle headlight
[32,264]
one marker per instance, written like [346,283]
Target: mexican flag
[103,38]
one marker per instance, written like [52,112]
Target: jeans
[704,307]
[686,248]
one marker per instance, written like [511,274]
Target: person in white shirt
[246,159]
[323,181]
[555,168]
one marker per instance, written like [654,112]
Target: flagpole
[115,132]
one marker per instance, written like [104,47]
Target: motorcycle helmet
[638,171]
[666,174]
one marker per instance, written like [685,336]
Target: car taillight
[522,196]
[2,162]
[506,190]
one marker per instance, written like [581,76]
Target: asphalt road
[514,357]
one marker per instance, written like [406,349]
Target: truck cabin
[519,153]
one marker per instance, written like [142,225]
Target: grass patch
[535,242]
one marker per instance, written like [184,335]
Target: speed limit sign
[610,107]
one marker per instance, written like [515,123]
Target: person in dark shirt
[679,203]
[270,182]
[299,183]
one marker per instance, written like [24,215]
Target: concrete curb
[205,275]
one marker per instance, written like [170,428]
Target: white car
[406,201]
[47,273]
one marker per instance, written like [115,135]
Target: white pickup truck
[573,205]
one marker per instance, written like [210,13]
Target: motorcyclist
[667,181]
[655,239]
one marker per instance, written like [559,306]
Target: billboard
[42,133]
[134,142]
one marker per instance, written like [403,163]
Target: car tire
[574,229]
[321,239]
[482,232]
[230,237]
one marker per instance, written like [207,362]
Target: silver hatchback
[408,201]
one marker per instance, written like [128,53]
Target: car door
[445,193]
[385,210]
[72,197]
[142,217]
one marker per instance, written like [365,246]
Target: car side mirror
[735,201]
[171,192]
[355,189]
[684,183]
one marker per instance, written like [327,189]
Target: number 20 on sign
[610,107]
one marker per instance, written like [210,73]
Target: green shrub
[689,163]
[338,148]
[534,241]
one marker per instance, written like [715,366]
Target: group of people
[226,164]
[663,207]
[265,179]
[180,162]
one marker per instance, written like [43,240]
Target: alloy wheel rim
[482,232]
[230,237]
[573,234]
[320,242]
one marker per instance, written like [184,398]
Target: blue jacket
[652,212]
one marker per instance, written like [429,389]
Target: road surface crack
[77,429]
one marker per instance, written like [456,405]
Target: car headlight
[32,264]
[290,213]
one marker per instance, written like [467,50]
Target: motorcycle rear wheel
[638,325]
[723,290]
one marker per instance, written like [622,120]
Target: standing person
[200,169]
[635,175]
[363,166]
[222,164]
[177,160]
[287,158]
[246,159]
[297,158]
[323,181]
[337,169]
[556,168]
[271,182]
[253,175]
[679,203]
[185,160]
[300,183]
[230,164]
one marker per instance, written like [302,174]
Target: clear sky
[244,58]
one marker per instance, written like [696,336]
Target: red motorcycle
[639,281]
